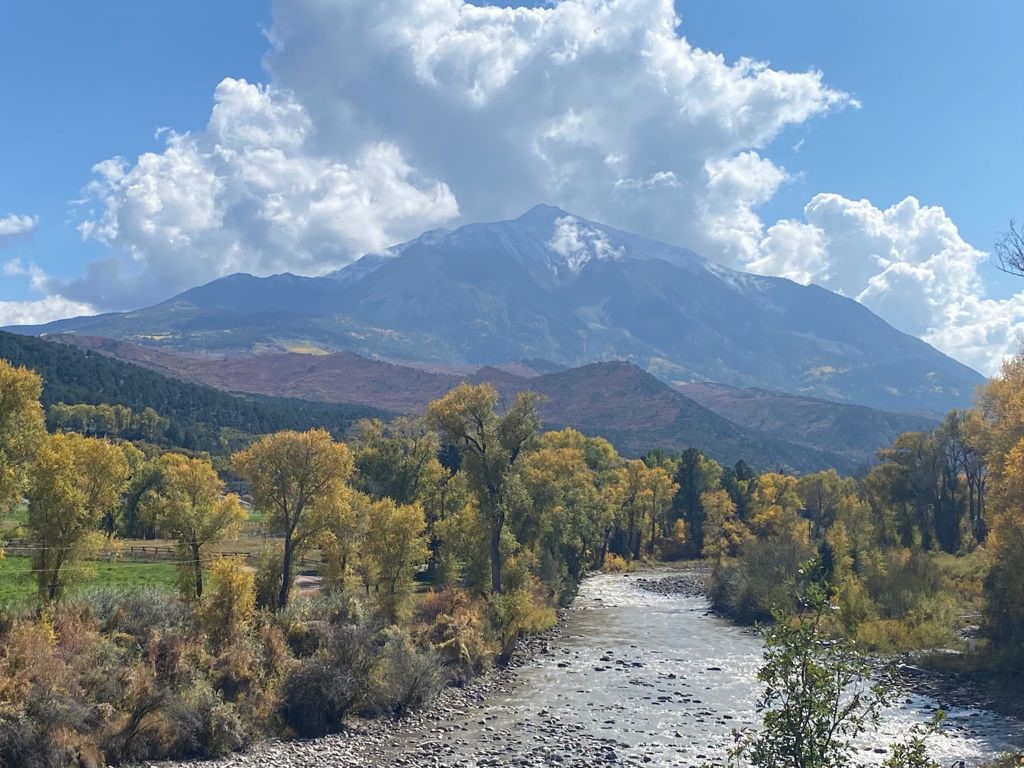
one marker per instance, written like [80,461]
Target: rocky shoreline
[426,737]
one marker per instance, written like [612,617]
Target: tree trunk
[286,574]
[604,548]
[197,567]
[496,527]
[654,523]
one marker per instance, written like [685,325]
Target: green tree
[820,494]
[73,482]
[818,695]
[191,507]
[396,546]
[21,429]
[489,444]
[441,493]
[392,458]
[696,474]
[293,477]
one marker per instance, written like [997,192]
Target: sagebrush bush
[319,691]
[405,675]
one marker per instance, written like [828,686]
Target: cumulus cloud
[389,117]
[41,310]
[14,224]
[250,193]
[908,263]
[383,118]
[600,106]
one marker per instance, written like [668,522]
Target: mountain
[200,417]
[618,400]
[557,287]
[853,431]
[636,412]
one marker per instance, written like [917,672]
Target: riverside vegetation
[440,541]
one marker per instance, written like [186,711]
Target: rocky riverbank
[639,672]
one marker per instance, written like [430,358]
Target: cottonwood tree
[1002,405]
[561,518]
[21,429]
[723,531]
[191,507]
[489,443]
[392,458]
[442,493]
[396,545]
[659,491]
[292,476]
[73,482]
[695,474]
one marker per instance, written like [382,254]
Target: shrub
[318,692]
[227,610]
[203,725]
[138,612]
[517,613]
[269,572]
[617,564]
[405,675]
[456,624]
[760,580]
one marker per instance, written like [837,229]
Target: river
[632,677]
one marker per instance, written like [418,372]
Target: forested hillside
[196,417]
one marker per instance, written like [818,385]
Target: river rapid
[632,677]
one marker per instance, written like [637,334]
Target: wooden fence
[147,553]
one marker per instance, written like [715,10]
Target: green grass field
[16,582]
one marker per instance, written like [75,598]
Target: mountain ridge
[611,398]
[555,286]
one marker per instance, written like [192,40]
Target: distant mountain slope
[636,412]
[198,414]
[556,287]
[617,400]
[854,431]
[341,377]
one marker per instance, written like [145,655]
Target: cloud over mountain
[382,119]
[908,263]
[250,192]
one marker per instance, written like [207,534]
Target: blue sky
[915,99]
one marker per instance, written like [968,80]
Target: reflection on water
[664,679]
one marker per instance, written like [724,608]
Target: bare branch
[1009,251]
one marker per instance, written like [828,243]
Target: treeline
[928,541]
[197,418]
[495,520]
[103,420]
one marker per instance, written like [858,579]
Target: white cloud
[908,263]
[14,224]
[41,310]
[250,193]
[600,106]
[382,113]
[577,244]
[736,186]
